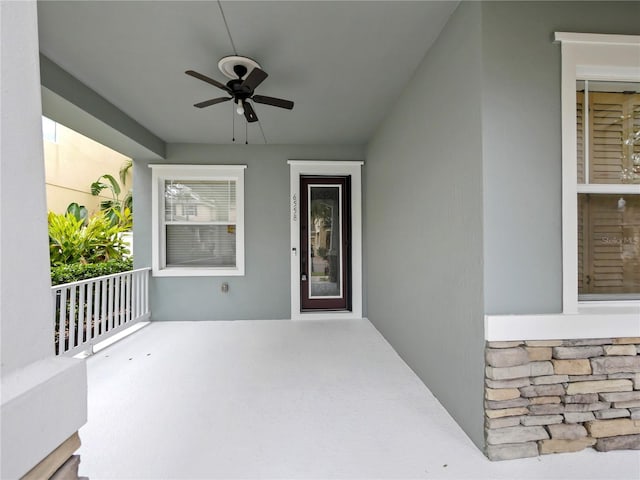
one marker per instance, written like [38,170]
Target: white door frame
[327,168]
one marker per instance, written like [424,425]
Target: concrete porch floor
[285,399]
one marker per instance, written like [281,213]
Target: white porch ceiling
[343,63]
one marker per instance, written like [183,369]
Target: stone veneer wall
[561,396]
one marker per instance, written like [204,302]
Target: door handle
[303,277]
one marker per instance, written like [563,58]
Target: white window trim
[162,172]
[317,167]
[586,57]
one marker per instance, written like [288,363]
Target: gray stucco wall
[264,291]
[522,144]
[423,223]
[68,101]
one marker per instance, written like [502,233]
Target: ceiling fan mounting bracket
[231,65]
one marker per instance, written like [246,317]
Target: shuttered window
[199,226]
[608,154]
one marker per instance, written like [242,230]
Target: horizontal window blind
[200,246]
[200,201]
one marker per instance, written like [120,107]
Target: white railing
[90,311]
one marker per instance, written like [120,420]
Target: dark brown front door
[325,243]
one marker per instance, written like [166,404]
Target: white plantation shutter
[580,134]
[608,224]
[605,154]
[583,224]
[611,243]
[580,120]
[634,127]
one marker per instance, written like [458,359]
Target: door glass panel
[325,256]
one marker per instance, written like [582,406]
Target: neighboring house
[72,163]
[462,223]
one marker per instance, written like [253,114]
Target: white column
[44,398]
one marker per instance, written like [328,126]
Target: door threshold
[326,311]
[326,315]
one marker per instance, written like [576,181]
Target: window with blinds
[199,215]
[200,223]
[608,153]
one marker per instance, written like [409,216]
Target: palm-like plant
[115,209]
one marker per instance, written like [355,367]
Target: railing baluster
[89,310]
[82,328]
[72,317]
[96,309]
[56,329]
[131,316]
[123,303]
[145,292]
[103,310]
[117,311]
[123,299]
[115,300]
[137,291]
[62,323]
[127,290]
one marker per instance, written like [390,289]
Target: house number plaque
[294,207]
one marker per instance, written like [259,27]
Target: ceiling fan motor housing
[240,70]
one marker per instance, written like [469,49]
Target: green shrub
[71,240]
[79,271]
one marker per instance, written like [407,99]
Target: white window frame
[161,173]
[588,57]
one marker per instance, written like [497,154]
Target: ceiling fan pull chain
[246,132]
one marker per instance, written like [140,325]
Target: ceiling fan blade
[249,113]
[276,102]
[211,81]
[255,78]
[213,101]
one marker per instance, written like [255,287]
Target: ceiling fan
[241,87]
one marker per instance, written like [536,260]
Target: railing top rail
[94,279]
